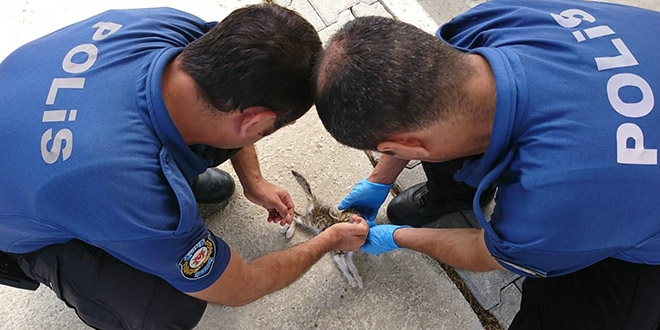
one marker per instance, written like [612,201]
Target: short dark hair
[379,76]
[259,55]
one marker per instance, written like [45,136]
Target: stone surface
[329,10]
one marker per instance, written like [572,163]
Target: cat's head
[345,215]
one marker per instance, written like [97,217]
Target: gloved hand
[366,197]
[381,239]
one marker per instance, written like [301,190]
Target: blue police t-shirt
[574,144]
[89,151]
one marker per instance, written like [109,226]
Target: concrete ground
[402,289]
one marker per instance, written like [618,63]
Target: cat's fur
[319,216]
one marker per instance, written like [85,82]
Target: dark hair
[379,76]
[259,55]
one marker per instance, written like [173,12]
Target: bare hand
[350,236]
[276,200]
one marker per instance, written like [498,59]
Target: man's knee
[183,312]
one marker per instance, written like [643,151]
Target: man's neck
[182,102]
[482,90]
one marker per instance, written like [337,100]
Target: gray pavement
[402,289]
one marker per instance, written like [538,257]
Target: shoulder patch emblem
[198,261]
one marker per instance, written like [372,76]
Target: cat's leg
[340,259]
[348,256]
[289,229]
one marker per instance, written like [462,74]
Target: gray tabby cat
[319,216]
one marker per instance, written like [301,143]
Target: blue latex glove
[366,197]
[381,239]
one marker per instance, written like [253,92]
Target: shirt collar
[511,95]
[190,163]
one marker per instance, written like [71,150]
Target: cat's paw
[288,231]
[354,280]
[358,280]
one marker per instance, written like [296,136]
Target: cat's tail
[304,184]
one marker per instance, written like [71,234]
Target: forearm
[242,283]
[246,165]
[459,248]
[387,169]
[279,269]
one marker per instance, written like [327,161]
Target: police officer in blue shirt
[551,103]
[108,124]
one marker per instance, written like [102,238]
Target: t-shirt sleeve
[144,213]
[550,236]
[183,251]
[533,261]
[189,262]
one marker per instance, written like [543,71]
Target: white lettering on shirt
[627,133]
[78,60]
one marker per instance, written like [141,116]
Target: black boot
[214,186]
[418,206]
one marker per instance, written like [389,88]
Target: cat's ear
[334,214]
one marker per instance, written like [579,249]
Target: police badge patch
[198,261]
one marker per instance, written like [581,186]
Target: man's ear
[254,120]
[404,145]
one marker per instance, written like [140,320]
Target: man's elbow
[237,302]
[235,298]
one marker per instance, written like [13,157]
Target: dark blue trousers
[107,293]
